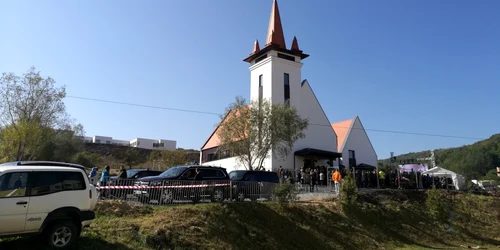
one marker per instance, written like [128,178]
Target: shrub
[349,191]
[86,159]
[439,205]
[285,191]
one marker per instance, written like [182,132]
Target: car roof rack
[206,166]
[44,164]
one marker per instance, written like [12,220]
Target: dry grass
[385,220]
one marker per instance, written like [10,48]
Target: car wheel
[218,195]
[167,196]
[62,234]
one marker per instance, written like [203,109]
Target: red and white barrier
[176,186]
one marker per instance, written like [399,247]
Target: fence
[185,191]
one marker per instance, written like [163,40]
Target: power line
[218,114]
[142,105]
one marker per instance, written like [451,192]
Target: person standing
[123,173]
[337,180]
[93,176]
[312,180]
[105,176]
[321,178]
[381,178]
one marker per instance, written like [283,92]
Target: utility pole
[432,159]
[392,165]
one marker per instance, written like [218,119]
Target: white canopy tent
[458,180]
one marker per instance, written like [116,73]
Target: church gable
[357,139]
[319,133]
[342,130]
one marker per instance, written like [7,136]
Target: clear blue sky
[416,66]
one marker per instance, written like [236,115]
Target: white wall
[302,98]
[358,140]
[318,136]
[102,139]
[148,144]
[272,70]
[233,163]
[169,144]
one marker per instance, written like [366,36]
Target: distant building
[153,144]
[156,144]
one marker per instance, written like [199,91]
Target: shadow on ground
[379,221]
[83,243]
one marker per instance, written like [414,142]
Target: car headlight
[235,186]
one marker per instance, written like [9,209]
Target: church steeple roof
[275,34]
[275,39]
[295,44]
[256,47]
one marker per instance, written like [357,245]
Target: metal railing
[169,192]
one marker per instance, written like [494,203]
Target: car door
[13,202]
[251,185]
[50,190]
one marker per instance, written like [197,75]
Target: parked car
[253,184]
[136,174]
[132,176]
[178,183]
[53,199]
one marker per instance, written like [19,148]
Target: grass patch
[383,220]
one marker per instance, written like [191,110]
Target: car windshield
[236,175]
[131,172]
[173,172]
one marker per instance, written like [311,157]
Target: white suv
[50,198]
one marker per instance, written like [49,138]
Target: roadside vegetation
[381,220]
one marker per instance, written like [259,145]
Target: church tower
[275,70]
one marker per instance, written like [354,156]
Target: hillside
[116,156]
[386,220]
[473,161]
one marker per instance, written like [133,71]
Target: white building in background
[153,144]
[160,144]
[275,74]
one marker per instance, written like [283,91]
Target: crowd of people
[319,176]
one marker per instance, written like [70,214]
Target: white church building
[275,74]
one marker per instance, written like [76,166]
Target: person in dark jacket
[123,173]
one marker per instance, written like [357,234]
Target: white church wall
[233,163]
[319,134]
[358,140]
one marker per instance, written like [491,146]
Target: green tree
[86,159]
[34,119]
[472,161]
[172,158]
[154,155]
[251,131]
[131,157]
[348,192]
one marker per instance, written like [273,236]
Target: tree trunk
[18,153]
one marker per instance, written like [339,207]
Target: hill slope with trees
[478,160]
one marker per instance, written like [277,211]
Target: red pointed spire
[275,34]
[295,44]
[256,47]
